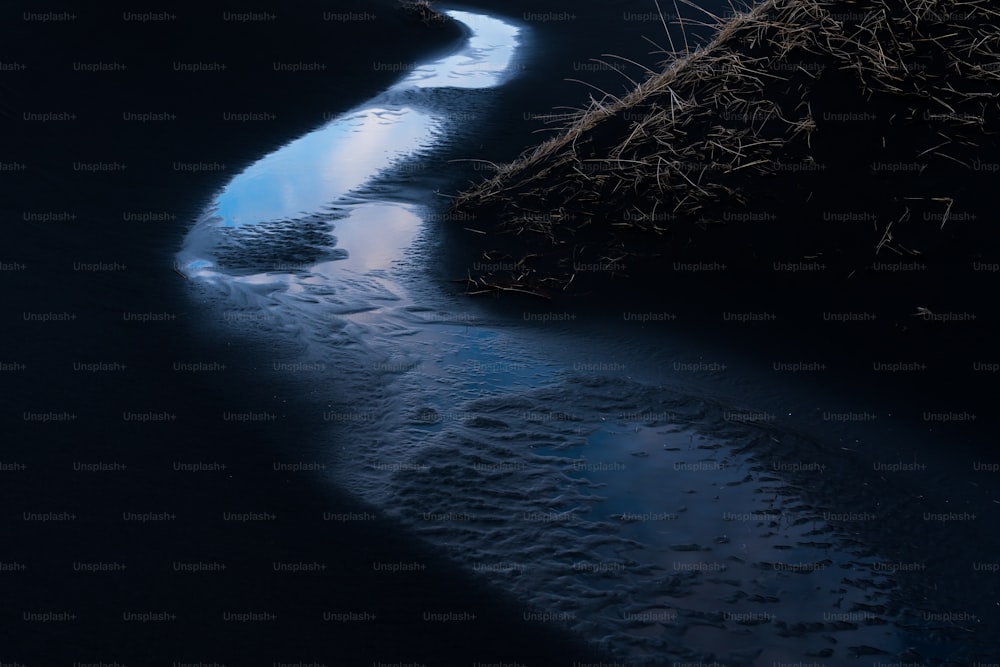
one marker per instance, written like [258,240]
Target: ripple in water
[312,183]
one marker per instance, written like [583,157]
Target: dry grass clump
[422,10]
[636,176]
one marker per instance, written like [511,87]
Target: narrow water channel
[652,510]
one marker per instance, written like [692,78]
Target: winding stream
[610,489]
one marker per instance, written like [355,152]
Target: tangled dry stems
[734,108]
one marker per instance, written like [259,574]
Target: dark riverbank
[831,219]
